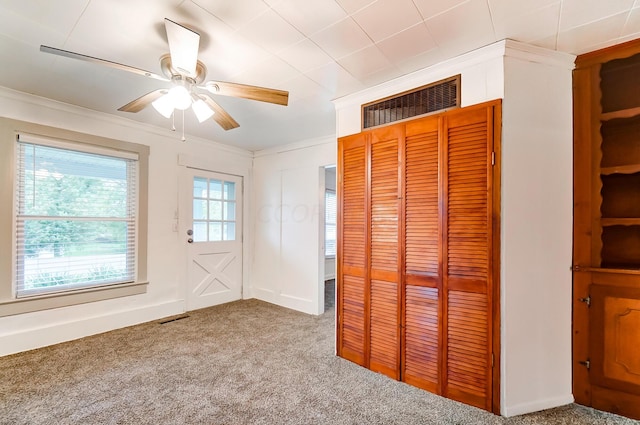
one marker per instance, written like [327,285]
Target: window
[330,219]
[214,210]
[76,216]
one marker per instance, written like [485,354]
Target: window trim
[9,304]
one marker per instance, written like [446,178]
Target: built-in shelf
[623,113]
[620,169]
[614,270]
[620,221]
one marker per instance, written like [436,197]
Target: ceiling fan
[187,75]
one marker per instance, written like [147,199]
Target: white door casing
[212,212]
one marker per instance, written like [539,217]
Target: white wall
[166,252]
[536,215]
[288,266]
[537,208]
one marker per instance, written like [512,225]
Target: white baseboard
[62,332]
[284,300]
[536,406]
[267,295]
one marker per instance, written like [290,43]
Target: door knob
[189,232]
[190,240]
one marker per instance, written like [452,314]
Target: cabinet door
[615,338]
[384,349]
[468,246]
[352,248]
[422,256]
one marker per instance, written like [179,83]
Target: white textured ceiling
[316,49]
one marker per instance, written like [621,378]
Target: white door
[213,226]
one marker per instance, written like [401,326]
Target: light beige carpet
[246,362]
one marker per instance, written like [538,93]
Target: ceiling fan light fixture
[164,105]
[181,97]
[202,110]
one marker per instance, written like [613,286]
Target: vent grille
[434,97]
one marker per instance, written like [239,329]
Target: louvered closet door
[352,251]
[384,348]
[467,265]
[422,282]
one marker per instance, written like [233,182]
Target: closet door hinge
[586,363]
[492,359]
[586,300]
[493,158]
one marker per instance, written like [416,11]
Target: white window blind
[76,216]
[330,221]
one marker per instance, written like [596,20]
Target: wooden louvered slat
[353,207]
[384,349]
[384,328]
[468,243]
[384,205]
[352,251]
[421,358]
[422,199]
[467,230]
[468,364]
[353,319]
[421,345]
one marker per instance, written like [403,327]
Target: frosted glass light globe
[181,97]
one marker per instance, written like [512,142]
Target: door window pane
[199,209]
[199,231]
[215,189]
[215,232]
[230,211]
[229,231]
[215,210]
[230,191]
[199,187]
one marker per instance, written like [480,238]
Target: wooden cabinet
[606,256]
[418,252]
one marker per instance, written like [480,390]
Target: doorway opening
[328,235]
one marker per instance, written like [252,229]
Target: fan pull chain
[183,138]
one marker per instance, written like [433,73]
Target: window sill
[65,299]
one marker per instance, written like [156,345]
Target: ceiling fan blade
[110,64]
[221,116]
[140,103]
[262,94]
[183,46]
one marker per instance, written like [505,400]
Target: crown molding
[325,140]
[530,53]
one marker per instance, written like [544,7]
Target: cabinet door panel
[615,327]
